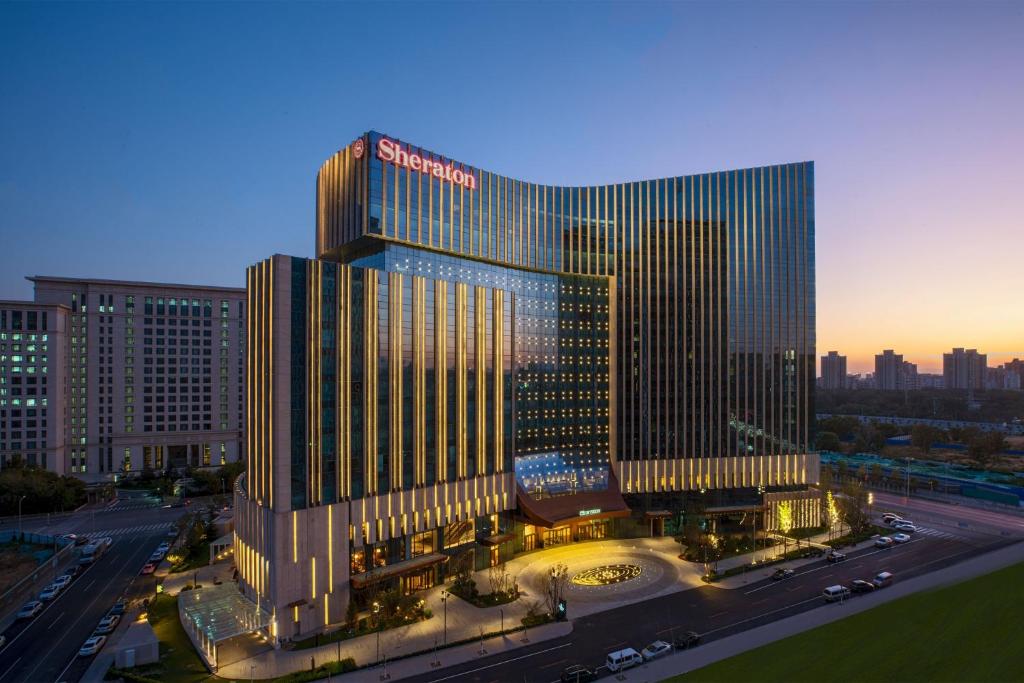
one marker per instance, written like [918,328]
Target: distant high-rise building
[33,382]
[1014,374]
[833,371]
[889,370]
[909,377]
[964,369]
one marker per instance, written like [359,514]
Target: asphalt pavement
[45,648]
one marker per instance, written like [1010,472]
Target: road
[948,536]
[45,648]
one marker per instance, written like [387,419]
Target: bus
[92,552]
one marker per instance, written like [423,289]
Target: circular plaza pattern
[606,575]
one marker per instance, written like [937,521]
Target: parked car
[72,570]
[50,592]
[93,645]
[623,659]
[63,580]
[29,610]
[833,593]
[883,579]
[901,538]
[107,541]
[148,568]
[118,608]
[836,556]
[894,520]
[687,640]
[107,624]
[861,586]
[884,542]
[658,648]
[172,533]
[578,673]
[164,547]
[780,574]
[905,527]
[890,517]
[156,557]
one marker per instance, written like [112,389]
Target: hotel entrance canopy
[217,613]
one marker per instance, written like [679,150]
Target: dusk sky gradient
[180,143]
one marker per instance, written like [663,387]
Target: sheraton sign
[389,150]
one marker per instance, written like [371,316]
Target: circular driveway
[647,569]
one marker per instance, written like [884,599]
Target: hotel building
[476,366]
[154,375]
[33,384]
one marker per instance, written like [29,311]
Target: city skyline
[895,191]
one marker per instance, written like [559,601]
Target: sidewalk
[464,622]
[685,661]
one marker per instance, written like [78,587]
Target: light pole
[19,513]
[908,478]
[444,601]
[501,610]
[376,612]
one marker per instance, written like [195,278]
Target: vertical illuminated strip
[461,291]
[370,360]
[312,577]
[295,536]
[330,554]
[269,332]
[441,374]
[480,413]
[498,323]
[419,381]
[395,368]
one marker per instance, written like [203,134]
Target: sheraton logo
[389,150]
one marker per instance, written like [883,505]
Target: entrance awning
[497,539]
[577,507]
[396,570]
[657,514]
[729,509]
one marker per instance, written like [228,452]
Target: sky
[180,142]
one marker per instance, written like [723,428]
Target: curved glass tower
[476,365]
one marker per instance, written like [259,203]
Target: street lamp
[444,601]
[376,612]
[908,478]
[19,513]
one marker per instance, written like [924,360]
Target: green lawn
[179,662]
[962,634]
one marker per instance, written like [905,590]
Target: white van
[833,593]
[623,659]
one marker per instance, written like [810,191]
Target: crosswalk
[122,505]
[935,533]
[142,529]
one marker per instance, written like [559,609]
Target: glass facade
[711,317]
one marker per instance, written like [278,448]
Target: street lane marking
[74,656]
[10,667]
[507,661]
[55,620]
[890,550]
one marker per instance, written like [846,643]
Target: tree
[876,473]
[854,506]
[785,523]
[828,441]
[554,586]
[923,436]
[831,512]
[983,447]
